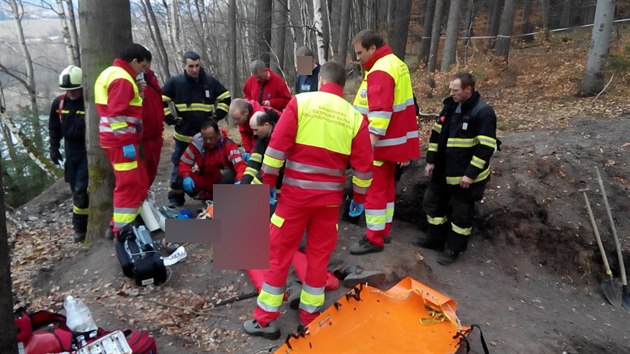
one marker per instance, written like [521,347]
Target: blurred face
[459,95]
[210,138]
[192,67]
[363,54]
[146,70]
[261,76]
[139,66]
[240,117]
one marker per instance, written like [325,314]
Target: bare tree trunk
[426,32]
[435,35]
[526,24]
[65,31]
[400,28]
[105,30]
[452,31]
[263,23]
[494,11]
[17,12]
[502,47]
[389,22]
[7,325]
[592,81]
[159,42]
[344,25]
[319,30]
[280,13]
[334,15]
[565,16]
[74,33]
[172,26]
[545,18]
[232,45]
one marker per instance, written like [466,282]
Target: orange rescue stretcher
[408,318]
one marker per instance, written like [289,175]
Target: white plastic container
[78,316]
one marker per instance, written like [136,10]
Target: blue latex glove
[189,185]
[237,182]
[272,196]
[355,209]
[246,156]
[129,151]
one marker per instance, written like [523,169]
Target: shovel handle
[598,238]
[624,281]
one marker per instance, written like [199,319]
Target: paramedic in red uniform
[152,122]
[317,137]
[210,158]
[119,106]
[386,98]
[241,111]
[266,87]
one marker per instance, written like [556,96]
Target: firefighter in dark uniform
[458,161]
[67,121]
[197,97]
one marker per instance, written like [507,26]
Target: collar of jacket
[466,105]
[122,63]
[201,77]
[333,88]
[378,54]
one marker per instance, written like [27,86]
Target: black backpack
[139,256]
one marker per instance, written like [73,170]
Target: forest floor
[530,276]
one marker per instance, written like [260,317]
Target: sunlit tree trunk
[105,31]
[592,81]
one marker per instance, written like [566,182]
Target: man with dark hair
[312,191]
[386,98]
[210,158]
[197,97]
[119,105]
[306,83]
[67,122]
[241,111]
[462,142]
[266,87]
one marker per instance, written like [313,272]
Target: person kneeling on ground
[210,158]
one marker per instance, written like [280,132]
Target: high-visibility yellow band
[361,182]
[125,166]
[273,162]
[277,220]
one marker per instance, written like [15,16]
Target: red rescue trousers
[151,150]
[131,187]
[286,230]
[299,263]
[379,202]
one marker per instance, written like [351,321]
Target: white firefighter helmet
[70,78]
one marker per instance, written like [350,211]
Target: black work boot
[354,274]
[79,236]
[253,328]
[175,195]
[364,246]
[447,257]
[434,237]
